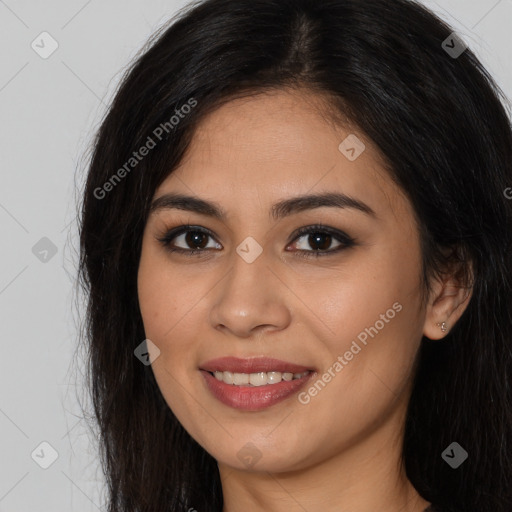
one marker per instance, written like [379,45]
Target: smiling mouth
[258,396]
[254,383]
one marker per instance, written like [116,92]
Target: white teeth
[273,377]
[227,377]
[257,379]
[241,378]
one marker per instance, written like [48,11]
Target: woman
[295,240]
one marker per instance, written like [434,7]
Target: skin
[340,451]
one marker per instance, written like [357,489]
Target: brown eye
[196,238]
[188,239]
[318,241]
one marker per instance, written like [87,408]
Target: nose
[251,299]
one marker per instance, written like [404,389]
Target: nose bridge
[249,296]
[248,280]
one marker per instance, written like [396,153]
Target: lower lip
[253,398]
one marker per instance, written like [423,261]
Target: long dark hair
[439,121]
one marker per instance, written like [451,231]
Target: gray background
[50,109]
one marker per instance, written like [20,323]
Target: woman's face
[352,315]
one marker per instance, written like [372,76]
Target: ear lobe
[449,300]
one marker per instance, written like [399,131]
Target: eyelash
[316,229]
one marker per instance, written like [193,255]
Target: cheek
[164,298]
[168,326]
[170,305]
[373,313]
[367,369]
[164,302]
[366,293]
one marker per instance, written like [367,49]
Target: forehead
[277,144]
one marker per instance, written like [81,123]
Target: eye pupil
[193,238]
[317,238]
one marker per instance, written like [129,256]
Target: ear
[448,300]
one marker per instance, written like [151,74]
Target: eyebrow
[279,210]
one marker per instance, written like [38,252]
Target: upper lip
[252,365]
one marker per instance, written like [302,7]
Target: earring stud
[443,326]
